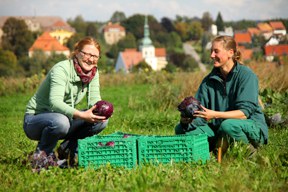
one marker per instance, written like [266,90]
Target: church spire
[146,41]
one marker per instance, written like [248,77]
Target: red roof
[253,31]
[115,26]
[246,54]
[131,57]
[276,50]
[47,43]
[243,37]
[59,24]
[160,52]
[264,27]
[277,25]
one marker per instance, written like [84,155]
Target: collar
[215,73]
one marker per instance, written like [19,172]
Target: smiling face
[221,57]
[88,57]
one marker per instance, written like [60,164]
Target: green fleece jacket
[62,90]
[238,92]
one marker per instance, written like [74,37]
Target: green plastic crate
[119,133]
[166,149]
[93,152]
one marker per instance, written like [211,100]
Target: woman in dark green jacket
[229,98]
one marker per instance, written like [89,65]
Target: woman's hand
[89,116]
[207,114]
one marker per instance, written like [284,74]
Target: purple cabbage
[188,107]
[104,108]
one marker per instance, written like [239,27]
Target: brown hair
[85,41]
[229,43]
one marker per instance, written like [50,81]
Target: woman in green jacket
[229,99]
[51,114]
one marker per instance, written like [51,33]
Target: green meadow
[144,104]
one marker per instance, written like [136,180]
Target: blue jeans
[48,128]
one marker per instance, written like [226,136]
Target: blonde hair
[229,43]
[85,41]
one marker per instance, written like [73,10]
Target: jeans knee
[98,127]
[61,125]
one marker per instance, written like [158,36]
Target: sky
[102,10]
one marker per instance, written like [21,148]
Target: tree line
[168,33]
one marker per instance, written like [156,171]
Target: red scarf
[85,77]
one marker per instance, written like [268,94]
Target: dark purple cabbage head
[104,108]
[188,107]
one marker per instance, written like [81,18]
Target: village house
[265,30]
[253,31]
[278,28]
[61,31]
[154,57]
[58,28]
[113,33]
[244,41]
[275,50]
[48,45]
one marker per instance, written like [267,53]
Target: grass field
[140,108]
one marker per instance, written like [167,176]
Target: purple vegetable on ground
[126,136]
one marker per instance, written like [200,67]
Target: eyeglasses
[89,56]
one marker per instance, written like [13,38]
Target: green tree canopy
[91,30]
[195,30]
[16,37]
[182,28]
[8,63]
[73,40]
[78,24]
[219,22]
[206,21]
[118,17]
[134,25]
[167,24]
[141,67]
[128,42]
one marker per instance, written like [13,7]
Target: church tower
[147,48]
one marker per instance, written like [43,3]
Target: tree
[128,42]
[167,24]
[118,17]
[141,67]
[134,25]
[52,60]
[219,22]
[16,37]
[73,39]
[171,41]
[182,28]
[206,21]
[37,62]
[8,63]
[79,24]
[195,30]
[91,30]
